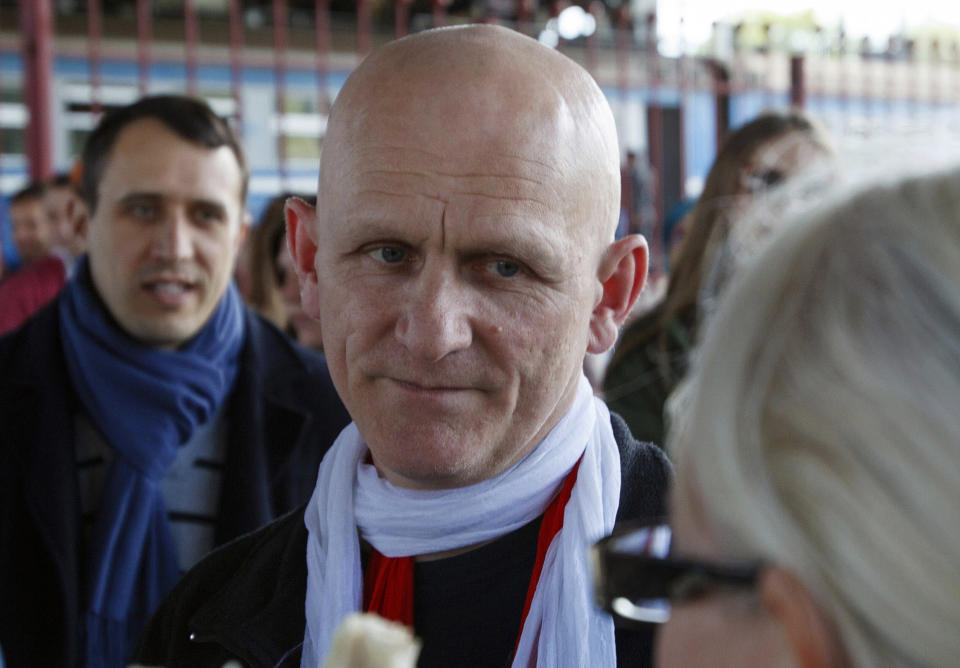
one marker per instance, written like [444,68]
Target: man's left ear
[622,273]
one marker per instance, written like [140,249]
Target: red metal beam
[1,163]
[798,90]
[279,75]
[524,10]
[321,18]
[94,40]
[321,11]
[363,27]
[191,30]
[622,60]
[401,12]
[439,13]
[769,67]
[144,31]
[236,63]
[622,36]
[720,78]
[37,29]
[655,138]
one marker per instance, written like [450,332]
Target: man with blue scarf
[147,415]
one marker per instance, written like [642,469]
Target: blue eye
[506,269]
[143,211]
[210,215]
[388,254]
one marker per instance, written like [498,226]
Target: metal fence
[274,67]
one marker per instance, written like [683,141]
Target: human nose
[435,319]
[173,240]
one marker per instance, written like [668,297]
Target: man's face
[165,233]
[455,285]
[32,234]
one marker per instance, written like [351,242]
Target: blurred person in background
[257,274]
[33,235]
[652,354]
[67,216]
[5,247]
[42,272]
[818,455]
[266,269]
[147,415]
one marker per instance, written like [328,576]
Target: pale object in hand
[366,640]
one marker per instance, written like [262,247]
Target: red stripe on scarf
[550,527]
[388,588]
[388,581]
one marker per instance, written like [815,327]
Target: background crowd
[799,368]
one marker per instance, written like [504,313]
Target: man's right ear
[302,241]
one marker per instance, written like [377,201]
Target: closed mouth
[429,387]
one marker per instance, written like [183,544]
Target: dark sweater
[246,600]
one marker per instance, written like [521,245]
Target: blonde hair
[820,424]
[711,221]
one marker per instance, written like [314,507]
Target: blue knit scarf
[146,402]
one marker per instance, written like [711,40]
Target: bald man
[461,263]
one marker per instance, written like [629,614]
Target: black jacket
[246,600]
[282,415]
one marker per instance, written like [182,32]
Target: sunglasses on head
[636,578]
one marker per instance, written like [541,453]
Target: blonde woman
[815,510]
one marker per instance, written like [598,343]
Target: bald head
[470,93]
[461,259]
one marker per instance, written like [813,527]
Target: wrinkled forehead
[476,124]
[503,115]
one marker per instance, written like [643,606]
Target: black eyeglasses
[636,579]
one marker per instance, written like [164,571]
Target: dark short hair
[191,119]
[60,180]
[31,191]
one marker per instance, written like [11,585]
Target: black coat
[282,415]
[246,600]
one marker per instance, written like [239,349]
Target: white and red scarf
[562,626]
